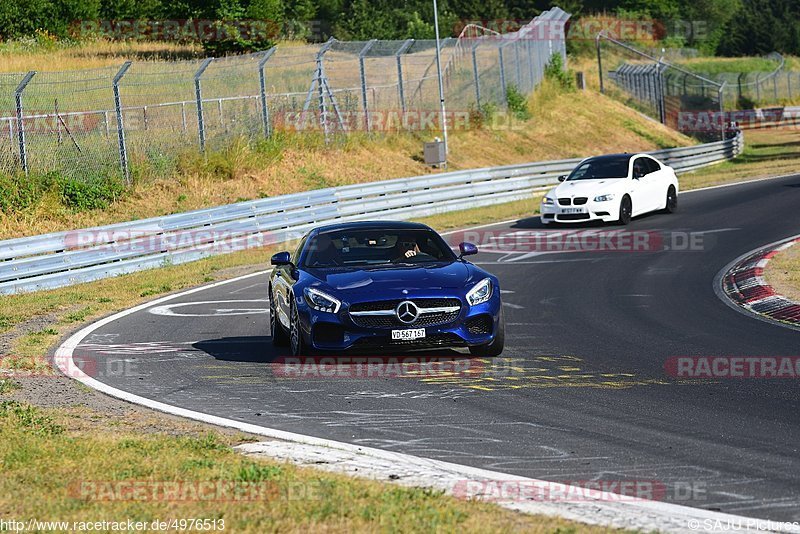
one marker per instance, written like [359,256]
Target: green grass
[715,66]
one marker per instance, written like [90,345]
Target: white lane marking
[513,306]
[169,309]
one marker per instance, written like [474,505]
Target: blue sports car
[382,286]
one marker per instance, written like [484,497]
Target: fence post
[789,84]
[363,73]
[400,88]
[503,74]
[262,82]
[758,88]
[476,75]
[201,127]
[599,60]
[23,149]
[775,87]
[721,96]
[123,149]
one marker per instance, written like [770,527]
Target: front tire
[495,348]
[297,344]
[276,331]
[625,210]
[672,200]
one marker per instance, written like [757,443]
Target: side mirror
[281,258]
[562,177]
[467,249]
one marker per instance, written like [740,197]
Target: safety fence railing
[72,257]
[107,121]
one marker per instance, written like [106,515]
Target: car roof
[370,225]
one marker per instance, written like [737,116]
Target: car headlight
[547,201]
[480,293]
[604,198]
[321,301]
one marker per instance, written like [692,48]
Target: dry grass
[772,152]
[53,56]
[783,272]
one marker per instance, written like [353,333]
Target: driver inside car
[406,249]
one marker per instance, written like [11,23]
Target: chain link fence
[705,106]
[666,92]
[105,122]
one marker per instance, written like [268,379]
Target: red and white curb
[742,283]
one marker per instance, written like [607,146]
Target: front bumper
[474,325]
[591,211]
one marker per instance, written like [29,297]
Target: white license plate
[572,210]
[405,335]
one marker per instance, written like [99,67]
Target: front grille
[580,201]
[565,201]
[480,324]
[391,321]
[573,216]
[392,304]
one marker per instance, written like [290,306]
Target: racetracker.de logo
[737,367]
[369,367]
[562,491]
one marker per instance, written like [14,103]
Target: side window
[640,167]
[296,253]
[652,165]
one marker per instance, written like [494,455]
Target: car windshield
[599,168]
[348,248]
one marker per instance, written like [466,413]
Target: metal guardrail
[66,258]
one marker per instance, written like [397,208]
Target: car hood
[587,188]
[379,283]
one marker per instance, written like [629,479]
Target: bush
[555,71]
[89,193]
[19,192]
[517,103]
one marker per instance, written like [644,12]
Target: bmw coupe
[612,188]
[390,286]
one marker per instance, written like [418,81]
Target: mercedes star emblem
[407,312]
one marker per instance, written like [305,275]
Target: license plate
[572,210]
[406,335]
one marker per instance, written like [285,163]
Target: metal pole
[721,112]
[364,103]
[599,61]
[201,127]
[58,123]
[503,75]
[23,153]
[123,150]
[439,71]
[401,90]
[262,81]
[476,74]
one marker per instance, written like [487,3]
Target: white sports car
[612,188]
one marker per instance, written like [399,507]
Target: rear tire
[495,348]
[279,337]
[672,200]
[625,210]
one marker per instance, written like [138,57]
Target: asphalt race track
[580,392]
